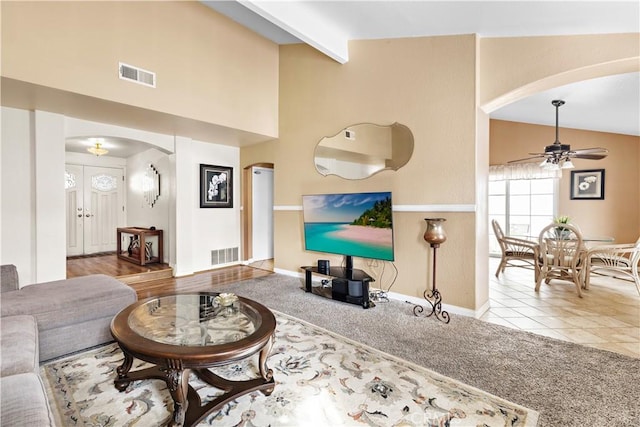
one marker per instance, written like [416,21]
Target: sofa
[46,321]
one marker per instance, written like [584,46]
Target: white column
[183,198]
[50,197]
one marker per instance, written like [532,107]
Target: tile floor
[606,317]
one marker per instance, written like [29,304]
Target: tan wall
[618,214]
[512,68]
[427,84]
[208,67]
[213,70]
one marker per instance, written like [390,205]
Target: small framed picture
[587,184]
[216,186]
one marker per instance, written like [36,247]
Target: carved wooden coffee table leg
[178,384]
[122,382]
[265,372]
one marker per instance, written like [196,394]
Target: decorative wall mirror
[151,185]
[362,150]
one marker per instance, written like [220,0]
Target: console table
[347,285]
[142,234]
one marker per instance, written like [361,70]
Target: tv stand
[348,285]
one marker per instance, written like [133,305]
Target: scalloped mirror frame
[362,150]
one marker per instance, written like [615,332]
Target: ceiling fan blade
[525,159]
[588,156]
[590,150]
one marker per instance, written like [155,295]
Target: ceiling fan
[558,155]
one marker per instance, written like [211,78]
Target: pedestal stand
[434,236]
[434,295]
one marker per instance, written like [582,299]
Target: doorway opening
[257,215]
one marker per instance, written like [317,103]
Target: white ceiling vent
[136,75]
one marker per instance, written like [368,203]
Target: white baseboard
[405,298]
[288,273]
[421,301]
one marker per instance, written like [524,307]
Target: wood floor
[111,265]
[156,279]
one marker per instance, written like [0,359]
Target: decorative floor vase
[434,234]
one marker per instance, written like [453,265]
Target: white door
[262,195]
[73,185]
[95,209]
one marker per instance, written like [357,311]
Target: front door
[95,208]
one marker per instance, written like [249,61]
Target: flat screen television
[350,224]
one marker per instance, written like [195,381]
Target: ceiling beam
[297,19]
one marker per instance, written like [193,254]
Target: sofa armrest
[8,278]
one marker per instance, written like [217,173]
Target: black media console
[348,285]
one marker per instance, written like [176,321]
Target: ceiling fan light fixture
[551,164]
[97,149]
[558,155]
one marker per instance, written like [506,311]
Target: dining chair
[561,255]
[516,252]
[620,259]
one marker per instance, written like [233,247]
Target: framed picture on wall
[587,184]
[216,186]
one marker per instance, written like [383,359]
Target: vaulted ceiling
[608,104]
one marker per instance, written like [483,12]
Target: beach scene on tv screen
[358,224]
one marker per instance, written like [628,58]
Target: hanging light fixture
[550,164]
[568,164]
[557,162]
[558,155]
[97,149]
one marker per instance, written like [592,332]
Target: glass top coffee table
[183,334]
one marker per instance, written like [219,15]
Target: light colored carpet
[568,384]
[322,379]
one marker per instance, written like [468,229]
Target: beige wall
[427,84]
[512,68]
[209,68]
[617,215]
[212,70]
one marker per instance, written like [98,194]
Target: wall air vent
[224,256]
[136,75]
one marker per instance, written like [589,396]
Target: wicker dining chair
[617,260]
[516,252]
[561,255]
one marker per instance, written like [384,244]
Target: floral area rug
[322,379]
